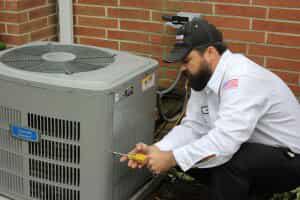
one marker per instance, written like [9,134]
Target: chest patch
[231,84]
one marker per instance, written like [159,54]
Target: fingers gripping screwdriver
[138,157]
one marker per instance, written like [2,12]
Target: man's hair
[221,47]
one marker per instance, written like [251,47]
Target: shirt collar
[216,79]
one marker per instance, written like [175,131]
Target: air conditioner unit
[63,110]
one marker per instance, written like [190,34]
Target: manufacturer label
[24,133]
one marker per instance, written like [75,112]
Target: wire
[172,87]
[186,87]
[164,127]
[177,117]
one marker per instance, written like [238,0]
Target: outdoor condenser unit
[63,109]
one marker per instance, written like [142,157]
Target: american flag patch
[233,83]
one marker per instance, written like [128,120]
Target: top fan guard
[49,58]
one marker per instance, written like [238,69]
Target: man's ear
[209,53]
[211,50]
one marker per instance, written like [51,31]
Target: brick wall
[22,21]
[268,31]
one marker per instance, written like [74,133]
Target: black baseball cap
[193,34]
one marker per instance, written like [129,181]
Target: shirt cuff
[182,159]
[163,145]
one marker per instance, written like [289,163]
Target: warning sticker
[148,82]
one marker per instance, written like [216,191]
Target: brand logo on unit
[24,133]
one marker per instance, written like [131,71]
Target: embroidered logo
[204,109]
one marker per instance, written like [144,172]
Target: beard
[199,80]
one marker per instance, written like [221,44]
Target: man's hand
[143,149]
[161,161]
[157,161]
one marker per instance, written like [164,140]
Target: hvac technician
[242,125]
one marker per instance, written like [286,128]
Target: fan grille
[49,58]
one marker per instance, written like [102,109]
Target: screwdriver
[138,157]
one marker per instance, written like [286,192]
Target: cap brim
[177,54]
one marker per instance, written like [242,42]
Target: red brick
[93,32]
[98,22]
[148,4]
[295,89]
[160,73]
[279,3]
[285,14]
[142,26]
[2,28]
[171,30]
[171,73]
[13,17]
[27,27]
[53,38]
[126,35]
[257,59]
[240,35]
[233,1]
[244,11]
[89,10]
[27,4]
[283,64]
[173,6]
[128,13]
[142,48]
[162,39]
[99,42]
[164,64]
[14,40]
[284,40]
[164,83]
[281,52]
[157,16]
[41,12]
[1,4]
[100,2]
[229,22]
[197,7]
[10,5]
[237,47]
[52,19]
[273,26]
[288,77]
[43,33]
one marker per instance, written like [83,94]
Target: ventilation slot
[55,173]
[58,151]
[9,115]
[9,143]
[11,183]
[53,127]
[11,161]
[44,191]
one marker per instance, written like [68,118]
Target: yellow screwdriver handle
[137,157]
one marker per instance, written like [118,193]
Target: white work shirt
[242,102]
